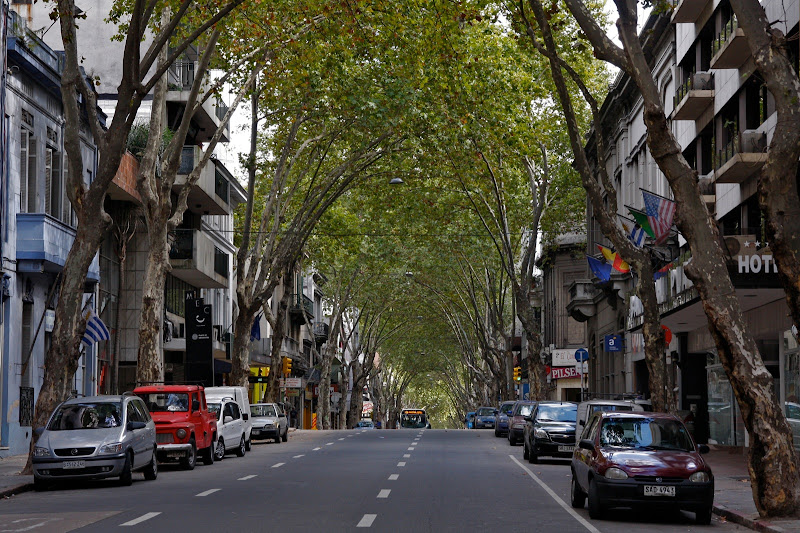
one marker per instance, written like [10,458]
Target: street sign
[613,343]
[581,354]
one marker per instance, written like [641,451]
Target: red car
[630,459]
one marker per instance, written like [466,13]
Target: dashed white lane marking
[411,448]
[209,491]
[342,438]
[316,449]
[278,465]
[367,520]
[298,456]
[384,493]
[406,456]
[394,477]
[141,519]
[329,444]
[245,478]
[558,500]
[401,463]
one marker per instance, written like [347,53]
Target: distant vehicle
[485,417]
[550,431]
[469,420]
[588,408]
[96,437]
[365,423]
[501,420]
[231,427]
[793,417]
[634,459]
[516,420]
[269,422]
[239,395]
[414,418]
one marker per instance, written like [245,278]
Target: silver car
[96,437]
[269,422]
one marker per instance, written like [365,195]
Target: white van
[586,409]
[239,395]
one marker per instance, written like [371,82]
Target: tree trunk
[324,400]
[150,358]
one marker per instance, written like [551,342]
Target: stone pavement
[733,498]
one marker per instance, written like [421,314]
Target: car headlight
[38,451]
[699,477]
[616,473]
[269,424]
[115,447]
[181,433]
[540,433]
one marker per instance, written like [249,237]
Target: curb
[737,517]
[19,489]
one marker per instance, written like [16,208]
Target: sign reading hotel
[755,264]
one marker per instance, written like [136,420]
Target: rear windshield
[596,408]
[647,433]
[486,411]
[506,408]
[90,415]
[263,410]
[525,409]
[567,412]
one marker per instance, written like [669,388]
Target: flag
[96,331]
[601,270]
[255,331]
[634,232]
[660,273]
[617,263]
[641,219]
[659,212]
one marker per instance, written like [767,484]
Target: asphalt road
[384,480]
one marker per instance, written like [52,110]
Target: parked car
[550,431]
[184,425]
[501,420]
[469,420]
[96,437]
[793,417]
[634,459]
[365,423]
[516,420]
[588,408]
[485,417]
[269,422]
[230,426]
[239,395]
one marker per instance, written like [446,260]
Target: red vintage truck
[184,426]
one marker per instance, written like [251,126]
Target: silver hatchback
[96,437]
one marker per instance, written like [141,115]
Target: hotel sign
[755,264]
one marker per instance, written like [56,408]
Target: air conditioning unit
[754,141]
[703,81]
[741,245]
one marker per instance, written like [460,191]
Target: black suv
[550,431]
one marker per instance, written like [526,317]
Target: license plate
[176,455]
[73,464]
[256,432]
[566,448]
[659,490]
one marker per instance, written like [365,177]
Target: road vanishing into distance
[381,480]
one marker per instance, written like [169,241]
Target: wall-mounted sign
[613,343]
[565,372]
[755,264]
[563,357]
[293,383]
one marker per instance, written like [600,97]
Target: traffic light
[287,366]
[517,373]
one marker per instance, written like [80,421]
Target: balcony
[197,261]
[730,49]
[694,96]
[742,157]
[260,351]
[321,332]
[301,308]
[708,190]
[123,186]
[582,300]
[207,117]
[30,53]
[211,193]
[43,243]
[689,11]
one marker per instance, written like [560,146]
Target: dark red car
[629,459]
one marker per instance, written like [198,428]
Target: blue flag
[255,331]
[600,269]
[95,329]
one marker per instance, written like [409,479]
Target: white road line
[209,491]
[141,519]
[316,449]
[278,465]
[558,500]
[342,438]
[367,520]
[394,477]
[298,456]
[411,449]
[245,478]
[329,444]
[406,456]
[401,463]
[384,493]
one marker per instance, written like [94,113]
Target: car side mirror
[496,412]
[586,444]
[703,448]
[245,416]
[282,415]
[133,426]
[227,420]
[195,405]
[528,419]
[582,423]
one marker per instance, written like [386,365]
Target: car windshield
[89,415]
[159,402]
[485,411]
[650,433]
[215,408]
[525,409]
[567,412]
[263,410]
[609,407]
[506,408]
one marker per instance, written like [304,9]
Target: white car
[239,395]
[268,422]
[230,428]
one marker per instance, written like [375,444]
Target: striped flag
[634,231]
[642,220]
[96,331]
[659,213]
[614,259]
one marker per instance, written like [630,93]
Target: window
[54,186]
[26,342]
[27,172]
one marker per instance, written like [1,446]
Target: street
[400,480]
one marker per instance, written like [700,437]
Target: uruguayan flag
[95,329]
[637,235]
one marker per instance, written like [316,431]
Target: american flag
[660,212]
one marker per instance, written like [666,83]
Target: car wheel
[511,440]
[190,460]
[220,449]
[525,453]
[577,498]
[39,484]
[285,435]
[595,509]
[151,470]
[208,453]
[496,433]
[703,517]
[248,445]
[126,477]
[532,457]
[242,449]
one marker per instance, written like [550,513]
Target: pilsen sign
[756,263]
[564,372]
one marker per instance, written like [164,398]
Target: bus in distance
[413,419]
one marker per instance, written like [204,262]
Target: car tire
[208,453]
[532,457]
[219,449]
[285,435]
[242,449]
[525,453]
[151,470]
[703,517]
[577,498]
[496,433]
[511,440]
[248,444]
[126,477]
[595,509]
[189,462]
[39,485]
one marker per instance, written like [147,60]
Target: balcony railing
[221,109]
[220,262]
[181,75]
[301,308]
[211,193]
[321,331]
[729,49]
[694,96]
[725,33]
[688,10]
[196,260]
[741,157]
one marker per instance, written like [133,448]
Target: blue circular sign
[581,355]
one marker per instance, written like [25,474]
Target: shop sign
[292,393]
[755,264]
[565,372]
[563,357]
[613,343]
[293,383]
